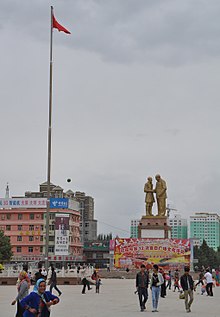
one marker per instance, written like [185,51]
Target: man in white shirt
[209,281]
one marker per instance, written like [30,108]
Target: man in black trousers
[142,281]
[187,285]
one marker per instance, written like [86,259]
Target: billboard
[62,234]
[167,253]
[59,203]
[7,203]
[55,203]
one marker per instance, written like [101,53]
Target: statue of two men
[160,190]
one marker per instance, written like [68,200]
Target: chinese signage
[23,203]
[59,203]
[61,234]
[112,245]
[167,253]
[50,258]
[55,203]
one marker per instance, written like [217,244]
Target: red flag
[59,27]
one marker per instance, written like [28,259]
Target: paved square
[116,299]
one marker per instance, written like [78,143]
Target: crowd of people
[159,282]
[38,302]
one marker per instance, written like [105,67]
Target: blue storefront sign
[62,203]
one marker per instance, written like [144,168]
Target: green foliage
[104,237]
[206,256]
[5,248]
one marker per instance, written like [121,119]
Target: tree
[206,256]
[104,237]
[5,248]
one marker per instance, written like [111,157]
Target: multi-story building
[179,228]
[23,219]
[88,225]
[134,228]
[206,226]
[97,253]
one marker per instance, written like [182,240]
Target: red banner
[167,253]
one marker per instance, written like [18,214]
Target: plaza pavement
[116,299]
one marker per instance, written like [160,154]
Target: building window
[20,216]
[31,227]
[42,216]
[51,238]
[41,249]
[99,255]
[31,216]
[31,238]
[41,227]
[51,227]
[18,249]
[8,228]
[8,216]
[19,227]
[19,238]
[30,249]
[41,238]
[51,249]
[52,216]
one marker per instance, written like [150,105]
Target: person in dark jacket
[53,281]
[38,275]
[187,285]
[38,303]
[142,281]
[201,278]
[163,292]
[169,283]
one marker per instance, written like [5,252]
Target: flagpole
[49,144]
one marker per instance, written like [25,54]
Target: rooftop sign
[27,203]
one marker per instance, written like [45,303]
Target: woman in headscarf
[38,302]
[23,286]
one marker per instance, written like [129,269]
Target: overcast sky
[136,92]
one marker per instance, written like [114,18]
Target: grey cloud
[127,31]
[119,115]
[172,131]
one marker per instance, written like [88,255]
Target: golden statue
[161,195]
[149,199]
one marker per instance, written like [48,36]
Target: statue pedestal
[154,227]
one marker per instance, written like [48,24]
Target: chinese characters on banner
[167,253]
[62,234]
[6,203]
[59,203]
